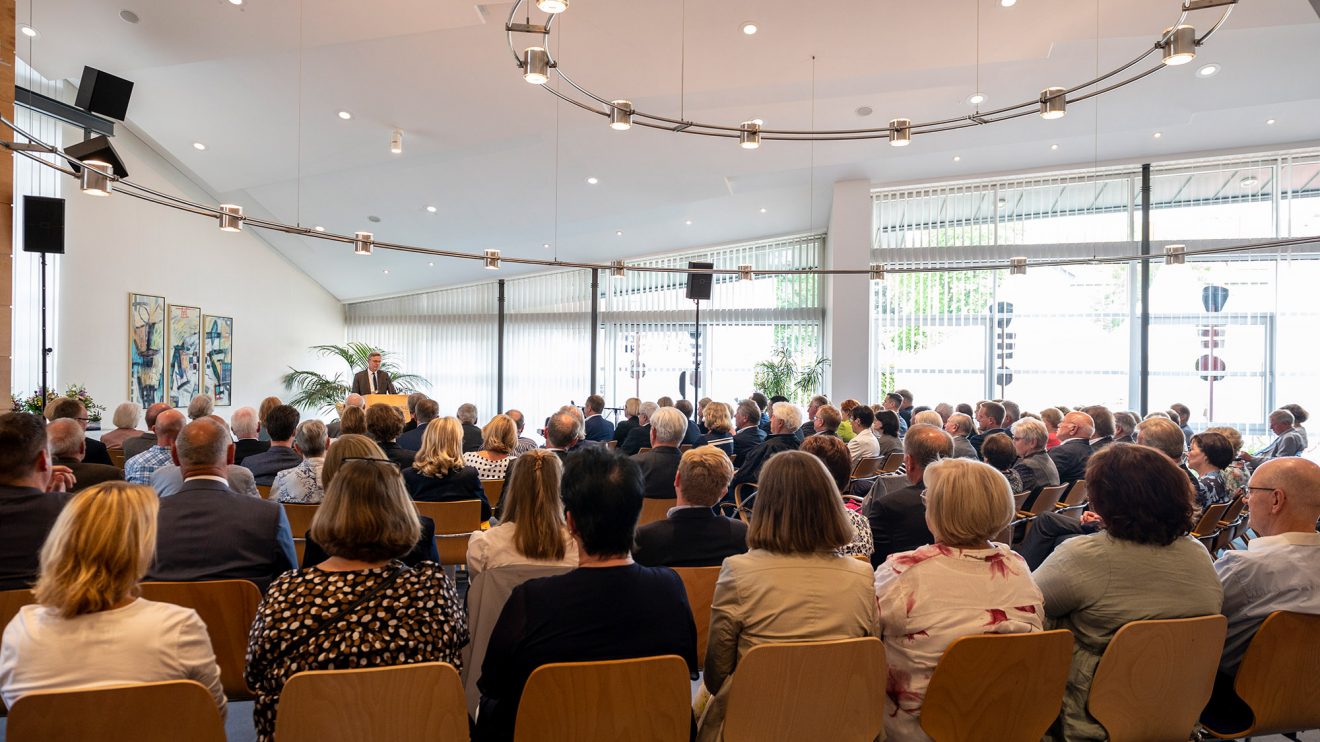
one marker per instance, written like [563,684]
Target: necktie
[373,383]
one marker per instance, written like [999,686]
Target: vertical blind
[547,343]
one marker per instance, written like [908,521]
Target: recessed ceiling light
[386,271]
[688,222]
[762,209]
[235,2]
[373,219]
[749,28]
[431,209]
[319,228]
[1248,181]
[345,115]
[1159,134]
[199,146]
[618,233]
[957,158]
[592,181]
[28,31]
[1008,3]
[430,265]
[865,111]
[1269,122]
[976,99]
[129,16]
[546,245]
[1054,146]
[1207,70]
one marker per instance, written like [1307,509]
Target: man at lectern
[373,380]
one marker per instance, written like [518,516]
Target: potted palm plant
[782,375]
[314,391]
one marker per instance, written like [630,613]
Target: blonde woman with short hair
[533,530]
[498,439]
[438,473]
[719,427]
[962,585]
[791,585]
[89,627]
[631,411]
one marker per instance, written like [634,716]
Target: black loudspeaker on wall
[698,285]
[43,224]
[104,94]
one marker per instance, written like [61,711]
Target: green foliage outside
[781,374]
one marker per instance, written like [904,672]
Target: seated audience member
[467,415]
[68,446]
[438,474]
[1051,417]
[1182,414]
[498,439]
[833,453]
[1103,419]
[595,426]
[1125,427]
[201,406]
[1034,466]
[126,418]
[1074,448]
[1287,441]
[748,433]
[939,593]
[247,431]
[784,422]
[1164,435]
[72,409]
[959,426]
[846,431]
[282,422]
[894,508]
[208,531]
[762,404]
[1300,415]
[414,399]
[668,426]
[887,427]
[1235,474]
[808,428]
[792,585]
[893,402]
[135,445]
[964,408]
[693,534]
[579,427]
[32,493]
[336,428]
[168,480]
[609,608]
[719,428]
[1141,566]
[989,418]
[561,433]
[525,444]
[532,530]
[1012,413]
[664,402]
[863,444]
[826,421]
[639,436]
[427,410]
[263,409]
[693,432]
[1209,455]
[927,417]
[302,483]
[630,420]
[384,424]
[88,627]
[945,409]
[368,608]
[999,451]
[353,421]
[699,417]
[138,469]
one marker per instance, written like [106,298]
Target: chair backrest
[264,491]
[227,607]
[300,517]
[1047,499]
[649,698]
[1156,676]
[969,699]
[1278,677]
[1076,494]
[1234,509]
[141,712]
[116,457]
[700,585]
[611,444]
[741,494]
[655,508]
[494,489]
[644,449]
[892,462]
[10,603]
[454,524]
[867,467]
[809,690]
[685,447]
[1210,520]
[407,703]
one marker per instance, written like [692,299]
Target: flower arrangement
[36,403]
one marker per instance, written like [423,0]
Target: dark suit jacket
[691,537]
[744,441]
[1101,442]
[26,516]
[658,468]
[1070,459]
[460,484]
[136,445]
[977,438]
[86,475]
[264,466]
[362,383]
[692,435]
[599,429]
[97,453]
[412,439]
[398,454]
[246,447]
[751,466]
[808,429]
[471,438]
[898,518]
[207,531]
[622,429]
[638,438]
[718,435]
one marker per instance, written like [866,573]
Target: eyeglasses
[393,463]
[1267,489]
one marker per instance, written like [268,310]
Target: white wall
[119,245]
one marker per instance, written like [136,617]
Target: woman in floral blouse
[962,585]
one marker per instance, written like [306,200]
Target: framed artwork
[183,337]
[218,355]
[146,349]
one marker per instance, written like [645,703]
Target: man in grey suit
[1287,441]
[959,426]
[209,532]
[373,380]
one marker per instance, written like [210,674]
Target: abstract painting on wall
[184,339]
[218,358]
[146,349]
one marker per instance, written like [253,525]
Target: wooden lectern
[393,400]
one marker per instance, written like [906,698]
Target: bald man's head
[168,425]
[204,443]
[66,438]
[1076,425]
[1284,496]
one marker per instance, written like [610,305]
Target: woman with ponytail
[533,530]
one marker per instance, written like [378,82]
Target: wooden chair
[809,690]
[1045,501]
[227,607]
[655,508]
[700,585]
[641,700]
[10,603]
[264,491]
[1005,687]
[892,462]
[1235,508]
[405,703]
[1075,499]
[867,467]
[1209,522]
[741,495]
[141,712]
[1277,678]
[611,444]
[494,489]
[454,524]
[116,457]
[644,450]
[300,521]
[1155,678]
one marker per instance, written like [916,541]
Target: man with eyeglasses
[72,409]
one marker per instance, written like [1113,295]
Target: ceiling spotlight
[235,2]
[1181,46]
[1269,122]
[762,209]
[957,158]
[688,222]
[362,243]
[1159,134]
[877,271]
[492,259]
[1175,254]
[616,269]
[744,273]
[430,265]
[345,115]
[536,65]
[900,132]
[96,180]
[592,180]
[621,113]
[1207,70]
[976,99]
[552,6]
[546,245]
[1054,146]
[1248,181]
[1017,267]
[396,142]
[1008,3]
[749,28]
[386,271]
[319,228]
[618,233]
[431,209]
[750,136]
[231,218]
[28,31]
[199,146]
[1053,103]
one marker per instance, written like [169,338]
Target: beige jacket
[763,598]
